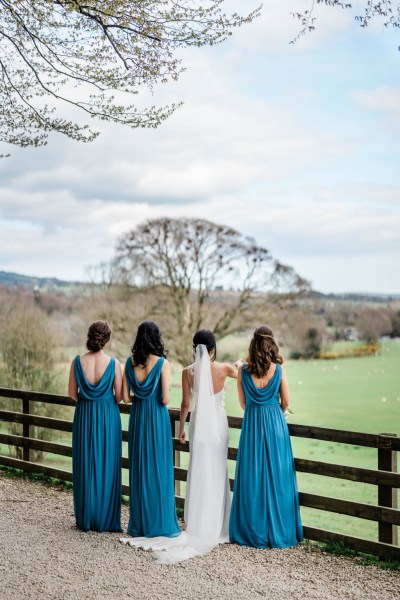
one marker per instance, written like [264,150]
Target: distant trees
[372,323]
[28,350]
[393,312]
[304,333]
[340,318]
[200,274]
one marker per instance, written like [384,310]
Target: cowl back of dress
[265,395]
[149,386]
[94,391]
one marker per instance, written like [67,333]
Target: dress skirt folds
[151,469]
[96,453]
[265,509]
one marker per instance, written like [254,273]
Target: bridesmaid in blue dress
[265,510]
[95,383]
[151,470]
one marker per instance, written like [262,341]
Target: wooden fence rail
[386,478]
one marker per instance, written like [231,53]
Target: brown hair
[263,351]
[98,335]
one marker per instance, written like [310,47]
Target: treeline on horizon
[185,274]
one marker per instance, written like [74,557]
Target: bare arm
[184,405]
[126,394]
[118,382]
[165,381]
[72,385]
[284,391]
[231,371]
[242,398]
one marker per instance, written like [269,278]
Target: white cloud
[383,102]
[382,99]
[245,149]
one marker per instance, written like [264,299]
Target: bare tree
[304,332]
[393,312]
[372,323]
[199,274]
[95,55]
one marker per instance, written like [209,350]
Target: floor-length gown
[151,469]
[96,453]
[265,509]
[208,497]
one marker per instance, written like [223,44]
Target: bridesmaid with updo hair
[95,383]
[265,509]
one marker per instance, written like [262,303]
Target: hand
[182,437]
[238,363]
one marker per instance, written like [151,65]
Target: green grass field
[358,394]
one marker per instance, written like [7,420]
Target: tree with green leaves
[59,58]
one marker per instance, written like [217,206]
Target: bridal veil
[208,498]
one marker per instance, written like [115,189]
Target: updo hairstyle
[148,341]
[206,337]
[98,335]
[263,351]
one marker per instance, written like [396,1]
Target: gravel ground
[43,556]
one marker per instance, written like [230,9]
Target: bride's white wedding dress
[208,498]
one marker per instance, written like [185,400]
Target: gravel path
[43,556]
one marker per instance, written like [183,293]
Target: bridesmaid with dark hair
[95,383]
[265,509]
[151,470]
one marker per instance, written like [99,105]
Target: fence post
[177,459]
[25,430]
[387,496]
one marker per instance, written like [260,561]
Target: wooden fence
[386,478]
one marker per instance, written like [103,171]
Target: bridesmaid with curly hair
[265,509]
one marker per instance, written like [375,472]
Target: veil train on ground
[208,498]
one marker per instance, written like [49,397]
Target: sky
[295,145]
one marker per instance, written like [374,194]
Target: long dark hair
[263,351]
[206,337]
[148,341]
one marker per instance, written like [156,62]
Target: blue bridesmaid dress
[151,469]
[265,509]
[96,453]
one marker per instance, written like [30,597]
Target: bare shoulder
[219,365]
[167,365]
[227,368]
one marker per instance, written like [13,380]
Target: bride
[208,498]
